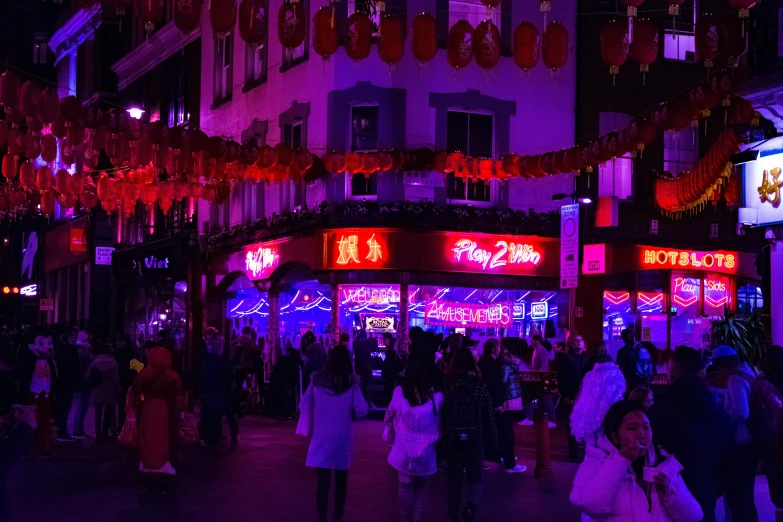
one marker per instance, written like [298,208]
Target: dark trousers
[209,424]
[469,457]
[105,420]
[240,377]
[322,493]
[505,423]
[82,407]
[365,374]
[741,463]
[64,404]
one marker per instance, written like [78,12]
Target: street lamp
[135,112]
[574,196]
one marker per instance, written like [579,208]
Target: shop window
[178,112]
[472,134]
[472,11]
[680,150]
[293,57]
[688,326]
[679,40]
[718,294]
[615,178]
[749,298]
[364,138]
[224,69]
[618,315]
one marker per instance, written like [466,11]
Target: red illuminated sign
[617,298]
[668,258]
[78,240]
[446,313]
[372,295]
[260,260]
[717,291]
[686,291]
[500,254]
[349,247]
[650,299]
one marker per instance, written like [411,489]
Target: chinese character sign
[769,190]
[762,183]
[359,249]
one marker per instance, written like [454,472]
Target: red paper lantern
[680,112]
[151,13]
[71,109]
[731,39]
[15,142]
[30,98]
[284,154]
[633,6]
[9,89]
[644,47]
[187,15]
[223,17]
[425,37]
[50,105]
[43,178]
[391,41]
[707,39]
[253,21]
[88,200]
[358,36]
[324,33]
[460,45]
[526,44]
[62,181]
[32,145]
[491,3]
[614,45]
[486,45]
[291,24]
[67,152]
[744,6]
[47,203]
[334,162]
[353,163]
[9,167]
[674,7]
[555,46]
[267,157]
[26,174]
[77,183]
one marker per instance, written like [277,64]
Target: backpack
[766,407]
[460,414]
[642,363]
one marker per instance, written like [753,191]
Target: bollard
[543,454]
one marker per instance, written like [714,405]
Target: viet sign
[569,246]
[447,313]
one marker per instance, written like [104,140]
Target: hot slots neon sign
[503,253]
[689,259]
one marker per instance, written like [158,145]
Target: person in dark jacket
[315,358]
[512,401]
[362,355]
[393,366]
[14,439]
[570,370]
[492,374]
[688,424]
[599,355]
[124,353]
[284,384]
[216,372]
[67,382]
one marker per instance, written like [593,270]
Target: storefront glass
[155,311]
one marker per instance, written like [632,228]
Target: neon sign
[493,315]
[688,259]
[617,298]
[717,290]
[379,324]
[29,290]
[650,299]
[261,259]
[348,250]
[364,295]
[686,291]
[539,311]
[503,253]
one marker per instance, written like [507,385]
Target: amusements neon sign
[446,313]
[501,254]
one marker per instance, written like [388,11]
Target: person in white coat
[413,428]
[614,483]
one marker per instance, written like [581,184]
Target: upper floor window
[292,57]
[679,40]
[680,150]
[364,138]
[292,135]
[472,134]
[615,177]
[472,11]
[256,55]
[224,69]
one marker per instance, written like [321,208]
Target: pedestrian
[104,380]
[38,369]
[468,425]
[624,480]
[328,409]
[512,401]
[570,371]
[16,431]
[315,358]
[732,380]
[601,389]
[636,361]
[643,395]
[538,396]
[772,461]
[284,385]
[363,347]
[215,377]
[689,425]
[67,381]
[492,375]
[243,364]
[413,424]
[83,396]
[542,354]
[393,366]
[599,355]
[124,353]
[157,387]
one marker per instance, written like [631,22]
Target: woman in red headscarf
[157,388]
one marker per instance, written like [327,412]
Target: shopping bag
[129,435]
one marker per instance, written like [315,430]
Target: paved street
[265,479]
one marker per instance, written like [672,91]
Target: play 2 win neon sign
[503,253]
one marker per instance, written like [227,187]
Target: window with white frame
[224,68]
[615,177]
[364,138]
[471,133]
[255,63]
[680,150]
[679,39]
[472,11]
[292,57]
[292,136]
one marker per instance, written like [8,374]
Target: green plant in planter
[744,332]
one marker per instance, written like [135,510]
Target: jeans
[322,493]
[65,402]
[105,420]
[412,497]
[468,457]
[82,407]
[741,463]
[505,424]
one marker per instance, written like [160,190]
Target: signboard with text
[763,183]
[46,305]
[569,246]
[446,313]
[103,255]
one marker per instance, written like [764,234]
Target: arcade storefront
[389,280]
[671,296]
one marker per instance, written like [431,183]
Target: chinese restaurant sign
[446,313]
[763,183]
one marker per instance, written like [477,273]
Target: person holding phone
[16,431]
[623,479]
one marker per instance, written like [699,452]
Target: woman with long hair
[624,480]
[157,387]
[468,424]
[413,421]
[598,355]
[332,401]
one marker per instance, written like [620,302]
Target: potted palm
[743,332]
